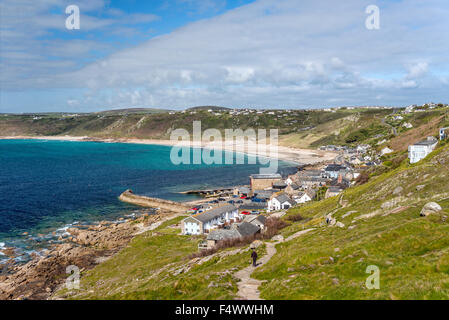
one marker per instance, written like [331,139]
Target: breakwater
[129,197]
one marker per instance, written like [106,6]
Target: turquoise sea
[47,185]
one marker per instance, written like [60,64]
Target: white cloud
[417,70]
[277,53]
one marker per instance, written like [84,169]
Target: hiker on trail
[254,256]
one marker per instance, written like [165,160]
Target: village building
[304,197]
[209,220]
[333,192]
[363,148]
[312,182]
[333,170]
[443,134]
[279,202]
[292,189]
[244,191]
[385,151]
[240,230]
[253,206]
[280,185]
[262,195]
[311,173]
[356,161]
[264,181]
[257,220]
[420,150]
[341,182]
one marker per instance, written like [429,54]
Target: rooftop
[282,198]
[428,142]
[223,234]
[246,229]
[215,213]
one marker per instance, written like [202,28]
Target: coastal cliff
[83,247]
[129,197]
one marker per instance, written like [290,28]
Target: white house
[385,151]
[304,197]
[209,220]
[420,150]
[280,202]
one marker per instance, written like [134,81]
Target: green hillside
[382,227]
[297,128]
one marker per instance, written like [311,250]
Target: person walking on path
[254,256]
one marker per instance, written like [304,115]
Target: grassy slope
[412,252]
[132,274]
[370,126]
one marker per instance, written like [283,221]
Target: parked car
[231,201]
[221,199]
[243,197]
[246,212]
[239,201]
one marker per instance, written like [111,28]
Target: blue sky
[236,53]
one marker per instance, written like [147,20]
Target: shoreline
[287,154]
[81,247]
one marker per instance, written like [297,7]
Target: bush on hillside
[362,178]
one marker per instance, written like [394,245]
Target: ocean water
[45,186]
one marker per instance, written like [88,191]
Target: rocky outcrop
[38,278]
[430,208]
[129,197]
[84,248]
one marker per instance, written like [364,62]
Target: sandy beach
[261,149]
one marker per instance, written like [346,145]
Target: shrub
[295,218]
[362,178]
[388,163]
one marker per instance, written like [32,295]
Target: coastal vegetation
[379,221]
[297,128]
[156,266]
[380,225]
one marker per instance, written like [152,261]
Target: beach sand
[261,149]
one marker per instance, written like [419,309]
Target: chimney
[340,178]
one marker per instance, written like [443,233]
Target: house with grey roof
[211,219]
[257,220]
[253,206]
[420,150]
[306,196]
[333,191]
[263,194]
[279,202]
[238,230]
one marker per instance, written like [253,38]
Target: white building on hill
[420,150]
